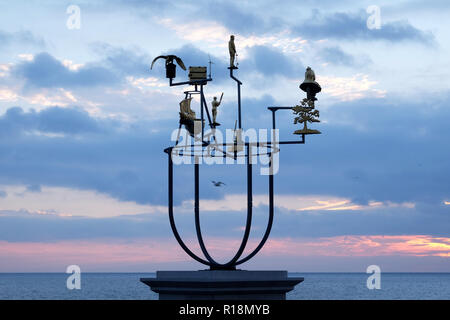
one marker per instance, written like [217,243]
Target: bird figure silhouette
[169,59]
[218,183]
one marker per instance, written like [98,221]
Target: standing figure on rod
[215,104]
[233,54]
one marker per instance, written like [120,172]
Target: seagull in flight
[218,183]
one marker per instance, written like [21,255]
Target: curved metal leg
[232,263]
[210,261]
[269,223]
[249,210]
[172,220]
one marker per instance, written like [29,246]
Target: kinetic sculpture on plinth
[223,280]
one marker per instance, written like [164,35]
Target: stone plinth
[222,284]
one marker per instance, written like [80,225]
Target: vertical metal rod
[239,104]
[209,118]
[239,95]
[178,135]
[273,119]
[206,109]
[201,109]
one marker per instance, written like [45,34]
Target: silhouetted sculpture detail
[186,113]
[187,116]
[309,85]
[306,113]
[237,150]
[238,143]
[215,104]
[232,49]
[170,66]
[310,76]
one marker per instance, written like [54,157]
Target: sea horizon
[316,286]
[154,272]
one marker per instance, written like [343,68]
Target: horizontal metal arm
[192,83]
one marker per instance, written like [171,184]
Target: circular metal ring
[202,151]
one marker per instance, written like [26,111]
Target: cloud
[116,63]
[236,18]
[263,59]
[239,19]
[34,188]
[45,97]
[8,95]
[48,225]
[198,30]
[123,61]
[350,88]
[217,36]
[351,26]
[337,56]
[270,61]
[367,245]
[376,153]
[71,120]
[372,158]
[421,6]
[237,202]
[48,120]
[64,202]
[124,92]
[68,147]
[101,255]
[44,71]
[22,37]
[77,218]
[151,253]
[152,6]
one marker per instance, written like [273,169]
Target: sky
[84,121]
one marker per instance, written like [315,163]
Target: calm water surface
[316,286]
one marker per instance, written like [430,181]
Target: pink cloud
[90,252]
[365,245]
[107,254]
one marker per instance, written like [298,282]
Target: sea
[317,286]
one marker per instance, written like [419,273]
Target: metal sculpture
[215,104]
[170,66]
[238,148]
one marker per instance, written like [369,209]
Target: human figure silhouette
[232,49]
